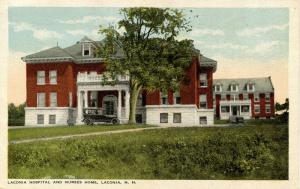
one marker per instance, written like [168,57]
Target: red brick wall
[209,89]
[66,81]
[62,88]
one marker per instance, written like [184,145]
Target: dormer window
[234,88]
[250,87]
[218,88]
[86,49]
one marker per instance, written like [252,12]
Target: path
[95,134]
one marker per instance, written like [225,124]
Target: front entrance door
[110,105]
[234,110]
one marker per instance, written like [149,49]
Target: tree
[152,56]
[16,114]
[284,109]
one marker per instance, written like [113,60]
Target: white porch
[240,108]
[110,100]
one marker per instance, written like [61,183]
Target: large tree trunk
[134,93]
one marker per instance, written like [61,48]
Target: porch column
[79,106]
[119,103]
[127,97]
[229,110]
[86,103]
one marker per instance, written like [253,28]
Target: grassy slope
[249,152]
[29,133]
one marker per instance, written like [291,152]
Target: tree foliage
[282,111]
[144,46]
[16,114]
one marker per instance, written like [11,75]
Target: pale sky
[245,42]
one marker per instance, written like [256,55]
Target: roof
[207,62]
[73,53]
[261,84]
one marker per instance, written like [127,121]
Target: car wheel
[114,121]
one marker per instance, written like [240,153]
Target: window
[163,98]
[163,117]
[257,108]
[70,99]
[245,97]
[233,97]
[41,77]
[267,97]
[245,109]
[250,87]
[203,80]
[177,98]
[256,97]
[234,87]
[86,48]
[218,88]
[53,77]
[223,97]
[52,119]
[177,118]
[268,108]
[94,98]
[140,100]
[53,99]
[224,109]
[41,99]
[203,120]
[40,119]
[203,101]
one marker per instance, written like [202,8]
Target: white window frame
[53,99]
[245,95]
[203,78]
[43,120]
[53,77]
[235,97]
[164,95]
[50,120]
[180,118]
[242,108]
[225,107]
[268,105]
[225,97]
[236,89]
[203,95]
[218,86]
[175,96]
[41,77]
[38,100]
[256,99]
[86,46]
[70,99]
[204,121]
[248,87]
[257,105]
[160,117]
[267,94]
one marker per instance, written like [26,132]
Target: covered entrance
[96,98]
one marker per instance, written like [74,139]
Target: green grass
[30,133]
[248,152]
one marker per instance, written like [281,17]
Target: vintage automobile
[91,116]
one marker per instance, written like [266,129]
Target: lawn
[246,152]
[29,133]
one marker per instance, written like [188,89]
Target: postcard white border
[294,89]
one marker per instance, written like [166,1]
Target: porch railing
[85,77]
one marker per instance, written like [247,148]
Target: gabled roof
[51,52]
[261,84]
[207,62]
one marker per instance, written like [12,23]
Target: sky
[246,42]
